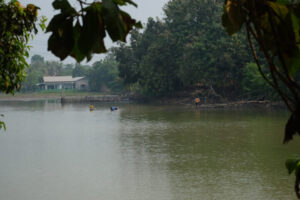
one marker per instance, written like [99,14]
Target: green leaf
[124,2]
[232,18]
[227,24]
[280,9]
[63,5]
[129,22]
[297,171]
[293,63]
[92,33]
[61,42]
[113,21]
[139,25]
[76,53]
[56,22]
[292,164]
[283,2]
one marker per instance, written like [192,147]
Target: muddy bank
[183,101]
[206,103]
[265,104]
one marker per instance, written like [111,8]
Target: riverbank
[45,95]
[85,97]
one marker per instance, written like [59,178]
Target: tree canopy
[17,25]
[187,47]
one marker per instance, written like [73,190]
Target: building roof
[55,79]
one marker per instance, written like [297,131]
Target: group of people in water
[112,108]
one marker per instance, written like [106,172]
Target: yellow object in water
[91,107]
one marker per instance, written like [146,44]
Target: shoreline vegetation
[89,97]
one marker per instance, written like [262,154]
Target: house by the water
[64,82]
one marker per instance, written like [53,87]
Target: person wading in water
[197,101]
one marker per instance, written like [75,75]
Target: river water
[142,152]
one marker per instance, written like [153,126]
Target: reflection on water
[142,152]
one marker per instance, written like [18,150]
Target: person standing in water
[197,101]
[91,107]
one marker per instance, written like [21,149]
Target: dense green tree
[80,70]
[17,23]
[54,68]
[37,58]
[34,73]
[188,47]
[103,76]
[128,66]
[207,54]
[67,70]
[253,84]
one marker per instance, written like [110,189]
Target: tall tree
[103,76]
[187,47]
[16,26]
[80,70]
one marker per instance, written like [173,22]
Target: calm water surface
[140,152]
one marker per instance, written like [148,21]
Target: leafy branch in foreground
[275,26]
[17,25]
[80,33]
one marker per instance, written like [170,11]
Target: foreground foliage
[80,33]
[16,27]
[275,26]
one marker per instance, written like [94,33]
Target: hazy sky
[146,9]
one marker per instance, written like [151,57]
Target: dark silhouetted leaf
[92,33]
[76,53]
[124,2]
[61,41]
[293,63]
[232,18]
[291,164]
[63,5]
[292,127]
[283,2]
[113,21]
[55,22]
